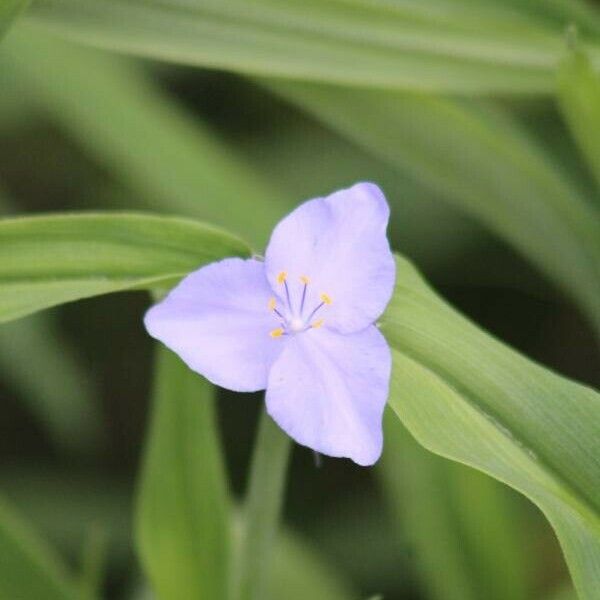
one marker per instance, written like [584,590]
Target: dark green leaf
[8,12]
[28,569]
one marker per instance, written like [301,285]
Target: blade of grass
[9,9]
[579,100]
[453,516]
[425,45]
[61,396]
[183,511]
[50,260]
[93,563]
[28,569]
[264,500]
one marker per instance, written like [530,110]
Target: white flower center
[294,318]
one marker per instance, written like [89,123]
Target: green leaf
[262,509]
[166,158]
[93,561]
[565,592]
[468,397]
[9,9]
[50,260]
[456,46]
[28,569]
[61,397]
[182,519]
[476,157]
[579,99]
[454,516]
[300,571]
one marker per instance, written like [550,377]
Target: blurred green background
[84,129]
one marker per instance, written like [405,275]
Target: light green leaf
[579,99]
[445,45]
[477,158]
[164,157]
[28,569]
[454,516]
[262,509]
[182,520]
[61,397]
[50,260]
[466,396]
[8,11]
[300,571]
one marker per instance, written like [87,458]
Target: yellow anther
[272,304]
[318,323]
[281,277]
[326,299]
[304,279]
[277,332]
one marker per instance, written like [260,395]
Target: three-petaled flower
[300,324]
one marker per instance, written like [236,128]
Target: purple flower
[300,324]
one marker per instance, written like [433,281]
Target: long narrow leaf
[50,260]
[468,397]
[8,12]
[579,99]
[61,396]
[182,521]
[456,517]
[428,45]
[28,569]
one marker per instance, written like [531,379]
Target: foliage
[372,78]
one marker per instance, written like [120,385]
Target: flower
[300,324]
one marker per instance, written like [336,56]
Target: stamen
[287,295]
[305,280]
[281,277]
[312,314]
[272,307]
[326,299]
[277,332]
[318,323]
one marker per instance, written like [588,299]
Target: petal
[217,320]
[328,392]
[340,244]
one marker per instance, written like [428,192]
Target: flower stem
[262,509]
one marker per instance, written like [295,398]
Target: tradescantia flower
[300,324]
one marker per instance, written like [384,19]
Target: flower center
[295,317]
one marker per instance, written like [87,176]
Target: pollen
[281,277]
[326,299]
[305,280]
[272,304]
[318,323]
[276,332]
